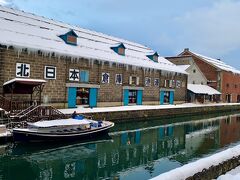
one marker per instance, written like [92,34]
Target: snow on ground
[233,175]
[3,131]
[81,109]
[197,166]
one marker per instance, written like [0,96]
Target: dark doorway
[83,96]
[166,96]
[228,98]
[238,98]
[132,96]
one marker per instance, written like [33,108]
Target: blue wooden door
[72,96]
[93,97]
[161,97]
[139,97]
[171,98]
[125,97]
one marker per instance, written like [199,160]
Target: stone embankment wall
[216,171]
[162,113]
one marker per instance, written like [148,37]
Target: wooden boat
[62,129]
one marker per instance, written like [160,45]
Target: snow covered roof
[184,67]
[21,80]
[217,63]
[26,30]
[202,89]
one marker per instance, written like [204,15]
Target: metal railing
[14,107]
[40,112]
[5,103]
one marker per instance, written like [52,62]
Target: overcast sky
[209,27]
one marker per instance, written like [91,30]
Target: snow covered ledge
[197,166]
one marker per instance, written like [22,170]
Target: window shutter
[165,83]
[81,76]
[137,83]
[130,80]
[86,76]
[170,83]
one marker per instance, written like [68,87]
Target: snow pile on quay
[233,175]
[197,166]
[81,109]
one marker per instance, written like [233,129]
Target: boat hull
[31,136]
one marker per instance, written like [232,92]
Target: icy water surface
[137,150]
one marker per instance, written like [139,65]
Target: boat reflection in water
[130,154]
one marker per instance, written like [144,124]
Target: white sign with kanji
[22,70]
[50,72]
[74,74]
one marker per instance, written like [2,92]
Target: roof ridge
[216,63]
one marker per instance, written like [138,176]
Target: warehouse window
[156,82]
[133,80]
[153,57]
[118,79]
[178,84]
[119,49]
[70,38]
[147,81]
[105,78]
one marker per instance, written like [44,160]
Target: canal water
[136,150]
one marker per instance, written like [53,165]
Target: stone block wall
[55,91]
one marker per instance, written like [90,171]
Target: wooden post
[12,87]
[31,102]
[40,94]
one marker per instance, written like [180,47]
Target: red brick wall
[230,85]
[211,73]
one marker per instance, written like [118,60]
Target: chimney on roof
[186,49]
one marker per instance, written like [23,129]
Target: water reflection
[130,154]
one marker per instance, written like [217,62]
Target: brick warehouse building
[219,75]
[83,67]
